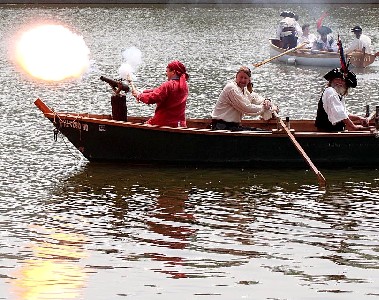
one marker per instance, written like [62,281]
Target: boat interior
[273,125]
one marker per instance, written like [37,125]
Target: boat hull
[361,60]
[101,140]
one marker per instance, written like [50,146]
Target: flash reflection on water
[236,226]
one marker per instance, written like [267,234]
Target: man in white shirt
[289,30]
[325,42]
[361,43]
[332,114]
[236,100]
[307,37]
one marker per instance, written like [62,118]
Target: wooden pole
[320,177]
[279,55]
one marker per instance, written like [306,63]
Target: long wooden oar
[320,177]
[279,55]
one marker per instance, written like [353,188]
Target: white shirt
[288,22]
[358,44]
[310,39]
[233,103]
[334,107]
[330,44]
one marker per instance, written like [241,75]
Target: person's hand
[275,108]
[364,121]
[361,127]
[267,104]
[135,93]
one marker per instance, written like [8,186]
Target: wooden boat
[360,59]
[100,138]
[305,57]
[316,58]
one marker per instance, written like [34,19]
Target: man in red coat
[170,97]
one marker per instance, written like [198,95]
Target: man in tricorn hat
[325,41]
[331,112]
[289,30]
[361,43]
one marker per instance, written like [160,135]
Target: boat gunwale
[206,131]
[100,119]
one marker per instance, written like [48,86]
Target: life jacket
[322,121]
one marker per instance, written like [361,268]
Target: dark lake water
[78,230]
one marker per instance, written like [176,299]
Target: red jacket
[171,103]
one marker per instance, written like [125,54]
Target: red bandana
[179,69]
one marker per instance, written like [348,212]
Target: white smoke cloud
[132,59]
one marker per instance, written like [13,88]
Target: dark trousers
[223,125]
[289,41]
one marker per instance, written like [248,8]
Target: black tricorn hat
[286,14]
[324,30]
[356,29]
[350,78]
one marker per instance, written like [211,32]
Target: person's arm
[255,98]
[266,103]
[298,29]
[362,120]
[333,106]
[152,96]
[353,127]
[278,32]
[366,43]
[242,103]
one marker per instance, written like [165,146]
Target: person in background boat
[332,114]
[289,30]
[238,99]
[361,43]
[325,42]
[170,97]
[307,37]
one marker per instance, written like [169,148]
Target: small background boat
[304,56]
[317,58]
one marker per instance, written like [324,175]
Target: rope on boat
[68,148]
[58,133]
[60,120]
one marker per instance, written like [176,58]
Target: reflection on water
[170,227]
[53,271]
[131,225]
[193,223]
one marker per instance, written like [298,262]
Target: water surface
[78,230]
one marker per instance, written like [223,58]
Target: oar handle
[279,55]
[371,116]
